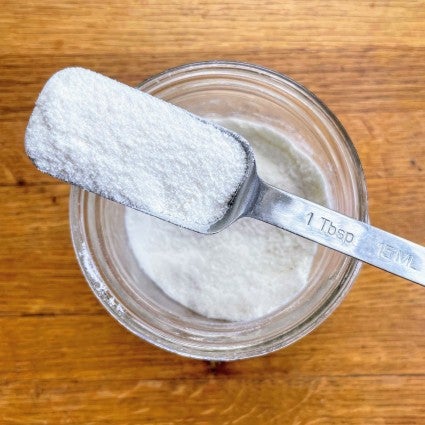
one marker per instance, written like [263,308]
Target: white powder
[133,148]
[248,269]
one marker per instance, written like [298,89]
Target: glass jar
[219,90]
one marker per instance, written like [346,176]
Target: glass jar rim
[115,309]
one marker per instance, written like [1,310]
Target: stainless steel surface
[261,201]
[339,232]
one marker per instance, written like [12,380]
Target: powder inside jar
[249,269]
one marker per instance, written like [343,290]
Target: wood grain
[63,360]
[159,27]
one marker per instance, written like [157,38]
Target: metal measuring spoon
[256,199]
[253,198]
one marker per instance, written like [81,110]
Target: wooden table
[63,360]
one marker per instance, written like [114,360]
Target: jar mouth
[86,215]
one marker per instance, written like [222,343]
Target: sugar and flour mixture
[248,269]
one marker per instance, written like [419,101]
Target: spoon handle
[339,232]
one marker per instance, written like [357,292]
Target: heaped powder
[247,270]
[133,148]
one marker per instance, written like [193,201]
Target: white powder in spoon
[248,269]
[133,148]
